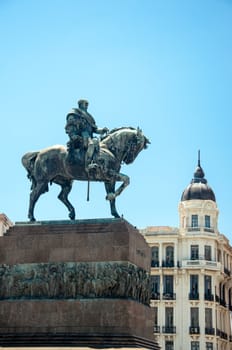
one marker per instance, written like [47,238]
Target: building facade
[191,283]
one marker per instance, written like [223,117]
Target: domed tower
[198,209]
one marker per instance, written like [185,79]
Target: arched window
[155,257]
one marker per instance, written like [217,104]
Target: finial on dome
[199,158]
[199,173]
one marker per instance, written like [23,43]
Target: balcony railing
[197,229]
[155,296]
[209,297]
[156,329]
[154,263]
[226,271]
[223,302]
[169,329]
[194,330]
[210,331]
[192,263]
[192,229]
[169,296]
[221,334]
[207,229]
[166,263]
[194,296]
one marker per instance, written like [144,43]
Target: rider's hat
[83,102]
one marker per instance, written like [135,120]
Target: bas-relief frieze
[73,280]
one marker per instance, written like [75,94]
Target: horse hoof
[72,216]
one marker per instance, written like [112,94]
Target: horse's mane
[116,129]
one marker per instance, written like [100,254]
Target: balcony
[156,329]
[223,302]
[209,331]
[169,296]
[154,263]
[194,296]
[169,329]
[194,330]
[203,229]
[167,263]
[207,229]
[155,296]
[221,334]
[226,271]
[209,297]
[200,263]
[193,229]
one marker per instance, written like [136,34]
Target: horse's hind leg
[110,188]
[66,187]
[37,190]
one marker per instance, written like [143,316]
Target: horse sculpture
[56,165]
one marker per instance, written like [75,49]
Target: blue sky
[162,65]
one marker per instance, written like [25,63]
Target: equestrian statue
[85,158]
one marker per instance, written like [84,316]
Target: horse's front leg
[125,182]
[110,189]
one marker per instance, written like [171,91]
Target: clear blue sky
[162,65]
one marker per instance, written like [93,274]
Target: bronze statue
[80,126]
[61,165]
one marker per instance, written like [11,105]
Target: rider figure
[80,126]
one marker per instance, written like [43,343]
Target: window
[194,221]
[194,287]
[169,256]
[208,286]
[169,345]
[195,345]
[194,252]
[168,284]
[209,346]
[154,256]
[208,252]
[207,221]
[194,315]
[208,320]
[169,317]
[155,316]
[155,287]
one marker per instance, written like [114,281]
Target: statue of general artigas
[86,157]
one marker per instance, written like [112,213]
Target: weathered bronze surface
[61,165]
[74,281]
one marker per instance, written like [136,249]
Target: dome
[198,187]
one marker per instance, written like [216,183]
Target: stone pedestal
[75,283]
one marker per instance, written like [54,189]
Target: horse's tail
[28,161]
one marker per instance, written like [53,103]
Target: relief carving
[74,281]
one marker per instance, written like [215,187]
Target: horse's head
[125,143]
[136,143]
